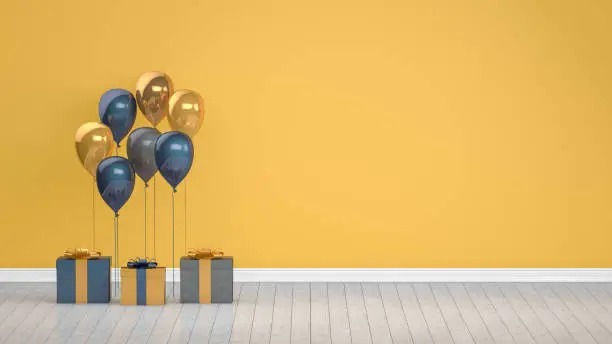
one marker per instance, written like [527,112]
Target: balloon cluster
[148,150]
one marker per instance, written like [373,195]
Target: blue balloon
[115,178]
[117,109]
[173,156]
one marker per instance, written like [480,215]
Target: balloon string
[154,205]
[117,262]
[185,243]
[115,272]
[145,220]
[173,192]
[93,213]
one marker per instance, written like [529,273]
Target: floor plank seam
[153,327]
[385,313]
[479,312]
[234,315]
[253,313]
[529,330]
[461,315]
[348,318]
[442,316]
[531,334]
[572,314]
[540,320]
[498,314]
[329,329]
[213,323]
[194,323]
[366,313]
[174,322]
[401,306]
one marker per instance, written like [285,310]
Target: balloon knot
[146,185]
[174,189]
[116,214]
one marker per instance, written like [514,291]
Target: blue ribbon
[139,263]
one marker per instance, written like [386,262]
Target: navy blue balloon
[117,109]
[115,178]
[173,156]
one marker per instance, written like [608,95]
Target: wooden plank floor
[324,313]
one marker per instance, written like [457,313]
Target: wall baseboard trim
[366,275]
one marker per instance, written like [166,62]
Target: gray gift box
[207,280]
[83,280]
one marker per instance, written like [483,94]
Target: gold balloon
[94,142]
[186,112]
[153,91]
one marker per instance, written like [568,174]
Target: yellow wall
[339,133]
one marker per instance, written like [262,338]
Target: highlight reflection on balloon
[186,112]
[93,142]
[153,92]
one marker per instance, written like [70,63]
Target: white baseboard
[366,275]
[423,275]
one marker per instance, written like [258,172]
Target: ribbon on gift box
[205,253]
[205,257]
[139,263]
[81,256]
[81,253]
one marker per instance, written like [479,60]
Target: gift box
[143,285]
[207,279]
[83,277]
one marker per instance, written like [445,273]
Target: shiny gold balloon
[186,112]
[94,142]
[153,92]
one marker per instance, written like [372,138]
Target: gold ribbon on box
[205,253]
[204,256]
[81,255]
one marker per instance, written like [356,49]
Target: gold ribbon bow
[81,253]
[205,253]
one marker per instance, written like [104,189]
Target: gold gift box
[143,286]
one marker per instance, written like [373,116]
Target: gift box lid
[89,258]
[214,258]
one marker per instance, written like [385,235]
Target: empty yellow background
[339,133]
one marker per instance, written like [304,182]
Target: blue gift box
[83,280]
